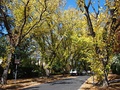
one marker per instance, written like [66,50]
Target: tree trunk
[105,83]
[46,69]
[47,72]
[4,75]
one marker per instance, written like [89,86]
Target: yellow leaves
[53,5]
[71,15]
[98,26]
[10,49]
[30,14]
[3,61]
[80,3]
[82,43]
[114,5]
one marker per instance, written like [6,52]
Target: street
[72,83]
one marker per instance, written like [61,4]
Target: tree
[103,35]
[64,40]
[26,15]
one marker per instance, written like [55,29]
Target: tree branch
[89,3]
[96,12]
[6,23]
[25,17]
[40,18]
[90,26]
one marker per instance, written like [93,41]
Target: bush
[24,72]
[115,67]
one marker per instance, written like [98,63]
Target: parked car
[84,72]
[73,72]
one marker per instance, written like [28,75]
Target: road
[72,83]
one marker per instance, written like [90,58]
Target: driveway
[72,83]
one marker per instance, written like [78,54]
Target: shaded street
[72,83]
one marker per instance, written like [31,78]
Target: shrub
[115,66]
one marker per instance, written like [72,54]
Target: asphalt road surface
[72,83]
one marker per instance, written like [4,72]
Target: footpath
[114,85]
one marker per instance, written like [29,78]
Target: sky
[72,4]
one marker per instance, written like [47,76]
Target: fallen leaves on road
[24,83]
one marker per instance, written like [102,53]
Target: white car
[73,72]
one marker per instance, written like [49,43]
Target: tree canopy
[42,33]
